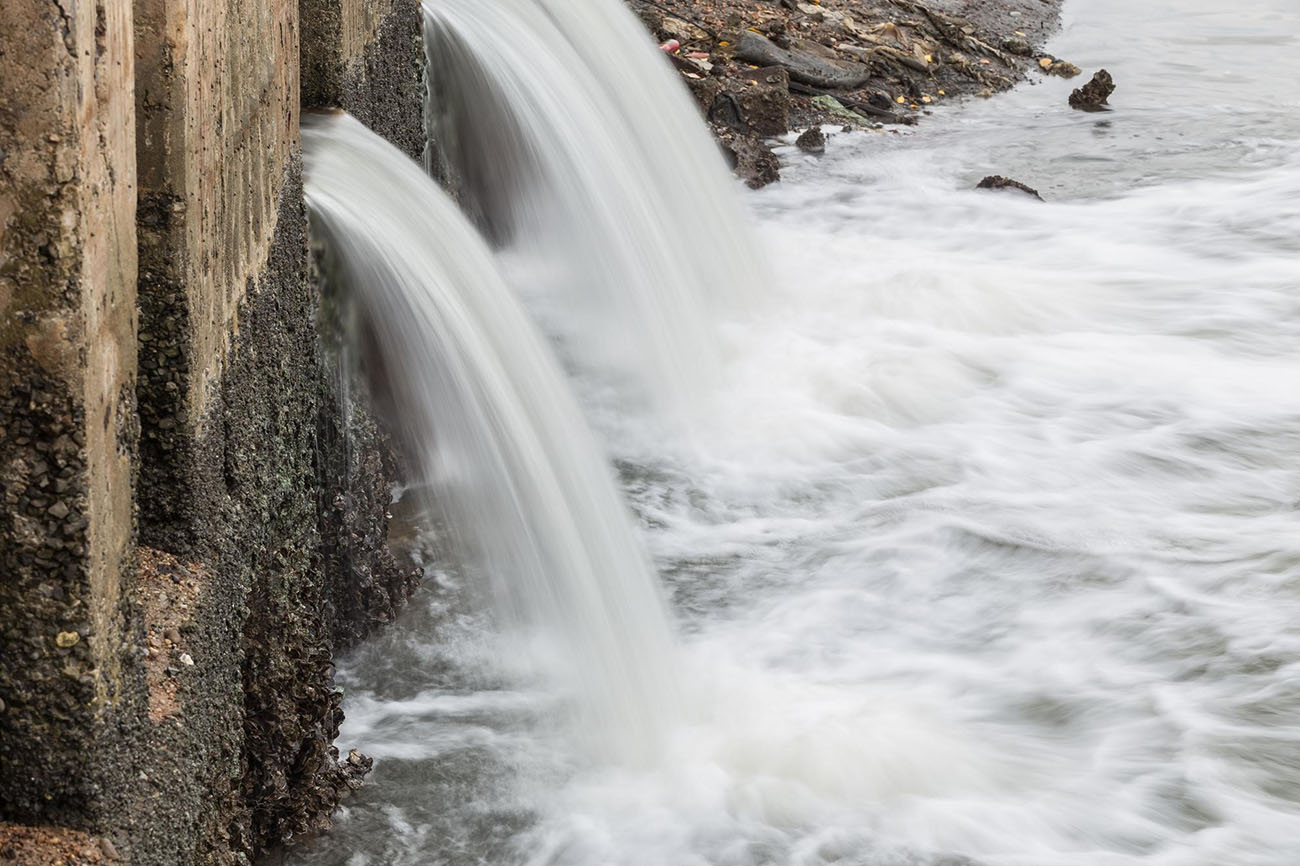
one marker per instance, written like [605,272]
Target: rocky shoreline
[763,68]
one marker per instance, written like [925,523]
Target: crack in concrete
[68,42]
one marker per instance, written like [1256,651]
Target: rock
[66,639]
[997,181]
[834,18]
[816,49]
[58,511]
[812,141]
[803,66]
[1017,45]
[765,104]
[187,660]
[751,160]
[816,13]
[1093,95]
[759,103]
[850,26]
[683,31]
[109,850]
[1055,66]
[355,768]
[173,634]
[726,111]
[833,106]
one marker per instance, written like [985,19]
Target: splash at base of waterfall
[487,418]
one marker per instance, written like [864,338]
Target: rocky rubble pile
[760,68]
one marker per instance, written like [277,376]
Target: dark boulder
[803,66]
[751,159]
[1093,95]
[812,141]
[997,181]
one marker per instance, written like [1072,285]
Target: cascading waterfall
[575,149]
[992,557]
[483,407]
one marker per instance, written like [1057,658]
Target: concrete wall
[365,56]
[217,97]
[67,418]
[177,702]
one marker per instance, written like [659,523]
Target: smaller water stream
[573,145]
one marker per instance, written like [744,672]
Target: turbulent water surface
[986,549]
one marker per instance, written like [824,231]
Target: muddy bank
[761,68]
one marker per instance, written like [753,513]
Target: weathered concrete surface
[181,712]
[69,679]
[366,56]
[253,479]
[217,102]
[341,31]
[246,757]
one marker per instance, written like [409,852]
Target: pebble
[186,660]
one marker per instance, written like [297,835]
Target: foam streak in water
[484,409]
[572,145]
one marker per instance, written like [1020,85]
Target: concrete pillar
[338,32]
[182,710]
[365,56]
[67,420]
[217,128]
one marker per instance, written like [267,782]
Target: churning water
[985,548]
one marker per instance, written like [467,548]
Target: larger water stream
[986,547]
